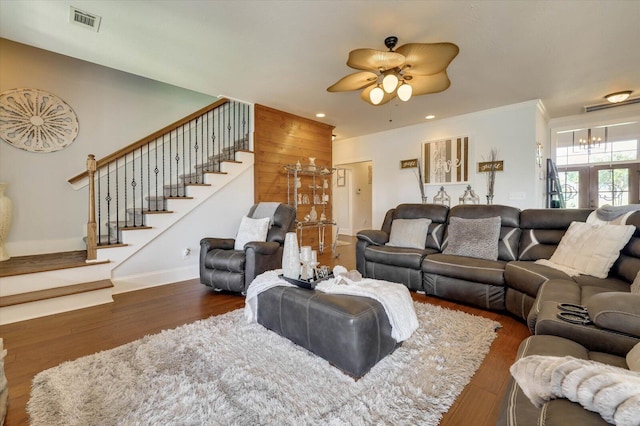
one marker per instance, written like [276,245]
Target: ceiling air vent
[611,105]
[84,19]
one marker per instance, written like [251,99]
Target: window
[599,165]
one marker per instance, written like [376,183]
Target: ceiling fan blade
[386,98]
[428,58]
[355,81]
[374,60]
[423,84]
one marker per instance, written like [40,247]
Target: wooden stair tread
[22,265]
[51,293]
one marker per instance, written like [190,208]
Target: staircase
[137,201]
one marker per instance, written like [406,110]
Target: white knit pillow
[251,230]
[591,249]
[609,391]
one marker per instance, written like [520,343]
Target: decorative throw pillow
[251,230]
[591,249]
[410,233]
[609,391]
[473,237]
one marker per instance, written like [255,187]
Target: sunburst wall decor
[36,120]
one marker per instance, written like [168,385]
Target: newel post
[92,252]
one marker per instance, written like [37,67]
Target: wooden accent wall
[281,138]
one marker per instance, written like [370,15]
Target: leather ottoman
[351,332]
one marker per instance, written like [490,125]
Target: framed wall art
[446,160]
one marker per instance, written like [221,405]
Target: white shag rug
[222,371]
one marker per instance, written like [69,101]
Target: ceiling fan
[412,69]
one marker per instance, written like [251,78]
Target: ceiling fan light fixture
[404,92]
[390,82]
[618,96]
[376,95]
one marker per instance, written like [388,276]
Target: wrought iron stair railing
[139,178]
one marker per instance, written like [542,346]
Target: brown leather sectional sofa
[515,283]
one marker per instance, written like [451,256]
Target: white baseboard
[154,279]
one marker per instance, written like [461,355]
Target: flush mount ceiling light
[411,70]
[618,96]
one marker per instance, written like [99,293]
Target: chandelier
[591,141]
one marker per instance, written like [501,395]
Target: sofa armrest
[372,236]
[616,311]
[262,248]
[207,244]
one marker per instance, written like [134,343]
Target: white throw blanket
[610,391]
[395,298]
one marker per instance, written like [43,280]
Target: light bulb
[390,82]
[376,95]
[404,92]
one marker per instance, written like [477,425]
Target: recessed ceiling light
[430,117]
[618,96]
[321,115]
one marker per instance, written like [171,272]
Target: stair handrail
[198,144]
[147,139]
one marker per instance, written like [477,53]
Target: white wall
[163,262]
[511,129]
[352,204]
[114,109]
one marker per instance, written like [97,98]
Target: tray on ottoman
[351,332]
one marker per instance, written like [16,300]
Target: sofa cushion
[542,230]
[527,277]
[616,311]
[435,212]
[410,233]
[591,249]
[225,260]
[465,268]
[473,237]
[611,284]
[396,256]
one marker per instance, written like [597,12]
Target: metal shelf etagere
[316,193]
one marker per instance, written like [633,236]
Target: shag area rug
[223,371]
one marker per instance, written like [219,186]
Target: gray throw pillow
[410,233]
[473,237]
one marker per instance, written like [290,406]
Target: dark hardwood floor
[38,344]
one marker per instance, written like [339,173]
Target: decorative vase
[291,256]
[312,163]
[313,214]
[6,210]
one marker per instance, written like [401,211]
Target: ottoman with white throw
[351,324]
